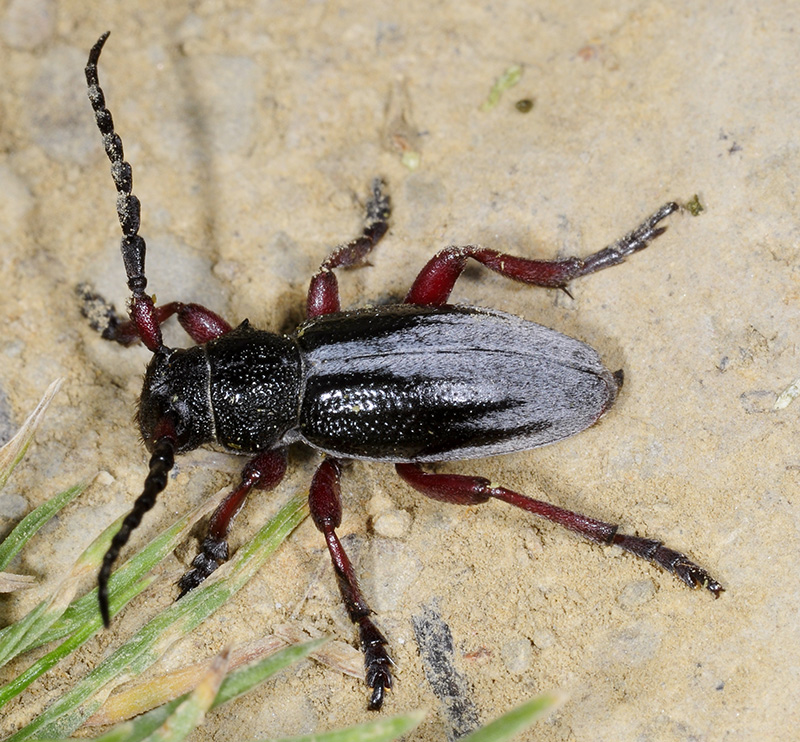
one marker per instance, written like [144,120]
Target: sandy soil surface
[254,129]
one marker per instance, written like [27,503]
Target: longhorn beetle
[418,382]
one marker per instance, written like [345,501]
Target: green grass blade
[235,684]
[513,722]
[85,608]
[33,521]
[57,617]
[245,679]
[264,661]
[152,640]
[14,635]
[382,730]
[191,712]
[49,660]
[49,621]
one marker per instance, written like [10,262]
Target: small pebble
[636,593]
[379,504]
[394,524]
[543,638]
[104,478]
[517,655]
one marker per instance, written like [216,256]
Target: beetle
[412,383]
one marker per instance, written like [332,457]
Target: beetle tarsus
[696,577]
[672,561]
[637,239]
[103,317]
[214,552]
[379,207]
[376,662]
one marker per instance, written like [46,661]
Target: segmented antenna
[161,462]
[133,248]
[142,313]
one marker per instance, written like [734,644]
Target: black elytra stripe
[485,438]
[383,416]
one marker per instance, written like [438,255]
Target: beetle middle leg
[324,495]
[326,510]
[465,490]
[264,472]
[435,281]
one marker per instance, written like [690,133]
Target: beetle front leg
[326,510]
[435,282]
[323,292]
[200,323]
[263,472]
[464,490]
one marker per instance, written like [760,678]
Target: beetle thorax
[255,387]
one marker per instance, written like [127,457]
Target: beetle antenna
[141,308]
[161,462]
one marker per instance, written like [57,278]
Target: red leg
[462,490]
[201,324]
[436,280]
[263,472]
[323,292]
[326,510]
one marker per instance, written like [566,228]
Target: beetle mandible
[423,381]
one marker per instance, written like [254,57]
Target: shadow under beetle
[417,382]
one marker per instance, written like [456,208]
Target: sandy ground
[254,129]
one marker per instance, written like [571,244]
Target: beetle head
[175,393]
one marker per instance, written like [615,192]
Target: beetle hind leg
[326,510]
[465,490]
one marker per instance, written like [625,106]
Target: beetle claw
[380,680]
[378,693]
[696,577]
[376,661]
